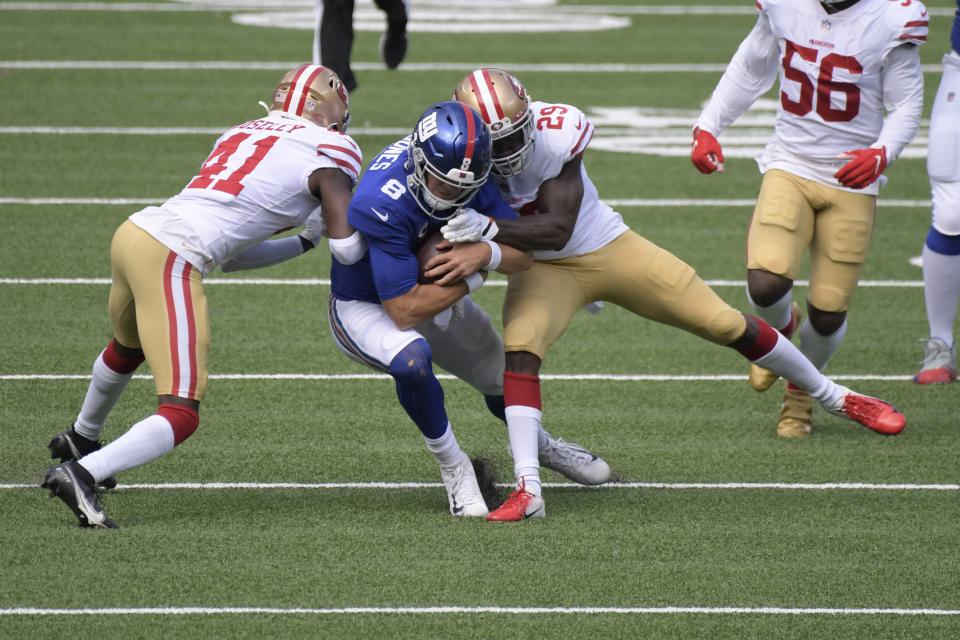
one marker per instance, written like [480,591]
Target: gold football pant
[630,272]
[157,304]
[793,214]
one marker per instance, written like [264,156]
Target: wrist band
[495,256]
[473,281]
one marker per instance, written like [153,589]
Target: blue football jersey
[394,227]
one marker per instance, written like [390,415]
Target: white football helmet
[504,105]
[314,93]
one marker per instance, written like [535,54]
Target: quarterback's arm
[464,258]
[750,73]
[334,188]
[423,302]
[550,229]
[902,99]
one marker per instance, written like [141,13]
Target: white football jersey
[562,133]
[253,185]
[830,78]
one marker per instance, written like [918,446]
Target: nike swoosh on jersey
[382,216]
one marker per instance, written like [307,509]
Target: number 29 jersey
[253,185]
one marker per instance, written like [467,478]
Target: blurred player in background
[584,253]
[333,37]
[263,176]
[385,317]
[841,65]
[941,251]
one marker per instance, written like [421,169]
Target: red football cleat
[873,413]
[519,506]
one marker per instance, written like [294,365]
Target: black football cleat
[393,44]
[64,482]
[69,445]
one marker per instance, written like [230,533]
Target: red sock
[521,389]
[117,362]
[184,420]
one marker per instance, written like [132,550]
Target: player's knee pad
[726,326]
[413,364]
[183,420]
[942,243]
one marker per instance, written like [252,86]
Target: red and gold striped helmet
[313,92]
[504,105]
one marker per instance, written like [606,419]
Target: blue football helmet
[452,144]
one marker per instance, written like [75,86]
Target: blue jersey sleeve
[392,263]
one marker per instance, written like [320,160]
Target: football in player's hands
[425,253]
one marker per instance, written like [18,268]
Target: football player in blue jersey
[941,250]
[384,317]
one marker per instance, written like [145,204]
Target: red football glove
[864,168]
[707,156]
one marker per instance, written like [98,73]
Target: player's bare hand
[460,261]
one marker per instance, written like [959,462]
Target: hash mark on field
[175,611]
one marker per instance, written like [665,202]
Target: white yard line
[797,486]
[321,282]
[568,377]
[617,202]
[415,67]
[457,610]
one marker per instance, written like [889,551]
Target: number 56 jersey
[254,184]
[832,89]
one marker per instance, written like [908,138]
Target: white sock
[941,291]
[524,429]
[445,448]
[818,348]
[147,440]
[776,315]
[786,361]
[105,389]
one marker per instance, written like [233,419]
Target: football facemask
[314,93]
[504,105]
[450,151]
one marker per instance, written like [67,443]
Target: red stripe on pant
[521,389]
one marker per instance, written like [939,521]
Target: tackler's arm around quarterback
[558,204]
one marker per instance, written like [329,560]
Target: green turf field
[306,505]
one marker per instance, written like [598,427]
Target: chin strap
[265,106]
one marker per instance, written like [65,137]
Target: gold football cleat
[796,413]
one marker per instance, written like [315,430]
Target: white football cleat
[574,462]
[463,491]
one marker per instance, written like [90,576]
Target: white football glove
[469,226]
[314,227]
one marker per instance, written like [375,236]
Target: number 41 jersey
[831,86]
[253,185]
